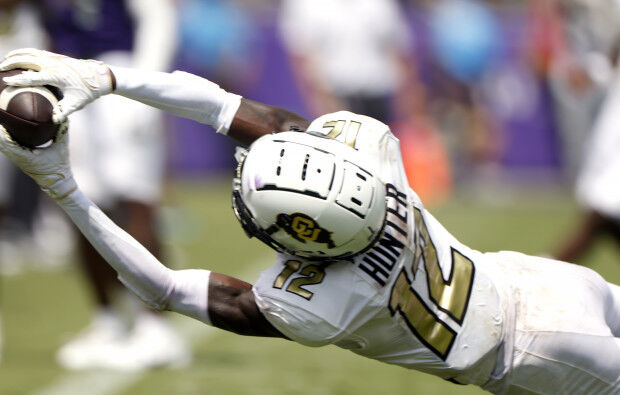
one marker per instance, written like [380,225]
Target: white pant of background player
[562,342]
[117,147]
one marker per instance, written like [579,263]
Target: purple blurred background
[253,45]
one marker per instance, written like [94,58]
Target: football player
[360,263]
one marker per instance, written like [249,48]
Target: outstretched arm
[215,299]
[197,98]
[183,94]
[212,298]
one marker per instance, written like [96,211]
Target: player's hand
[49,167]
[81,81]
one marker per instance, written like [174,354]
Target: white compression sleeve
[183,291]
[180,93]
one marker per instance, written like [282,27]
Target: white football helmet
[309,195]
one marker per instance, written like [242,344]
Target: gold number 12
[450,296]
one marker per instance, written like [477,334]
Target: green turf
[41,310]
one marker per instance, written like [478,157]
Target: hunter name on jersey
[380,260]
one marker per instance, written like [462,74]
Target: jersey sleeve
[294,322]
[318,313]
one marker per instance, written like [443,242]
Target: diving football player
[359,262]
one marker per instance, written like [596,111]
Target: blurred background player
[587,92]
[117,148]
[348,54]
[597,182]
[578,67]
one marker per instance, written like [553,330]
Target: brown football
[26,112]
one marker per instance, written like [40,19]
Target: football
[26,112]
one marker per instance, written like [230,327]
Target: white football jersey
[419,298]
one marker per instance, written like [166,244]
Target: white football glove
[81,81]
[49,167]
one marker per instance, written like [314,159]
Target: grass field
[42,310]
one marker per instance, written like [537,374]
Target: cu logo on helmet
[303,228]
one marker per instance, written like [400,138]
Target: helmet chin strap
[272,229]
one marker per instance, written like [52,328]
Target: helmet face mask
[309,196]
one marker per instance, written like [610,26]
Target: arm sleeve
[184,291]
[183,94]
